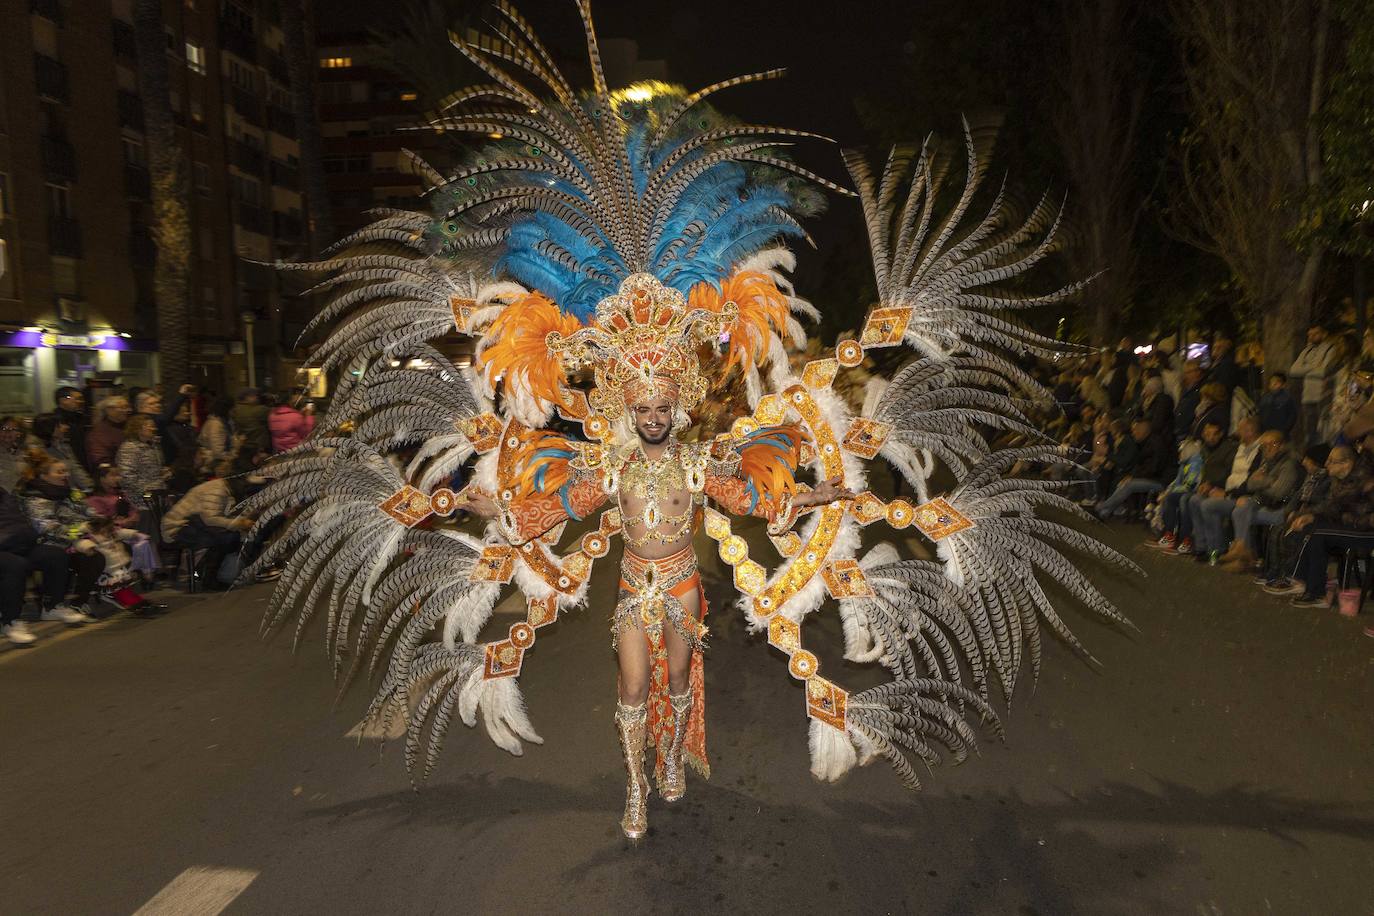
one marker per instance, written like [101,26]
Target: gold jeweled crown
[642,344]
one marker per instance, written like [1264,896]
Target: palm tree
[300,65]
[171,225]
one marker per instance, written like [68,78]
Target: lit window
[335,63]
[407,96]
[195,58]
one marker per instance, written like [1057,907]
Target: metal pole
[248,319]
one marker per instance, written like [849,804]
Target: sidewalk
[52,631]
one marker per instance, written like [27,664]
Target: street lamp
[249,317]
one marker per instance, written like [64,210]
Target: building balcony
[277,68]
[248,106]
[125,44]
[64,237]
[130,110]
[238,42]
[281,121]
[285,176]
[48,9]
[252,218]
[137,184]
[59,159]
[51,77]
[142,249]
[247,158]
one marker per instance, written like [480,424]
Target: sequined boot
[674,784]
[630,722]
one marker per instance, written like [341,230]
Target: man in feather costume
[637,235]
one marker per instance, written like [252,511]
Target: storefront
[34,364]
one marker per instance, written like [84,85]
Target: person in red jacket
[290,426]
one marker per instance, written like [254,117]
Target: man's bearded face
[653,420]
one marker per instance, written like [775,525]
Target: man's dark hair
[1281,376]
[66,391]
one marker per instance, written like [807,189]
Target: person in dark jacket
[1343,520]
[1224,371]
[1213,407]
[1122,360]
[1156,407]
[1277,408]
[250,421]
[1152,469]
[1285,543]
[1190,395]
[1265,493]
[71,409]
[1218,451]
[20,555]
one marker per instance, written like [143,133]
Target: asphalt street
[1217,762]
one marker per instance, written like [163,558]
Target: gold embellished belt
[651,591]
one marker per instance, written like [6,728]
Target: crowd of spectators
[1269,474]
[100,502]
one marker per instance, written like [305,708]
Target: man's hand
[827,491]
[1241,500]
[1300,522]
[478,503]
[186,390]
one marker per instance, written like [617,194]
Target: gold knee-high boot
[630,722]
[674,784]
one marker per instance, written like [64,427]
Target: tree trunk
[300,64]
[171,225]
[1285,323]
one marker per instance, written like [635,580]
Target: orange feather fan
[762,311]
[520,353]
[769,457]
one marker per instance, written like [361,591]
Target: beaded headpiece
[643,344]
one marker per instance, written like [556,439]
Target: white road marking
[201,890]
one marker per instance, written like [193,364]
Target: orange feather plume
[520,353]
[769,457]
[762,312]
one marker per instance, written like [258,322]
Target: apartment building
[76,253]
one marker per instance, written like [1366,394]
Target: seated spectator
[180,448]
[203,520]
[290,427]
[1215,455]
[1224,371]
[53,435]
[20,555]
[106,434]
[108,501]
[1277,407]
[1262,499]
[216,436]
[116,583]
[1152,468]
[59,516]
[1156,407]
[1284,542]
[1331,524]
[140,463]
[1213,407]
[1212,505]
[11,459]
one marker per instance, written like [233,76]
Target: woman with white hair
[107,433]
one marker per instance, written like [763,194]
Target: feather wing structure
[582,215]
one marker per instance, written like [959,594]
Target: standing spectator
[140,464]
[1212,505]
[107,433]
[216,435]
[108,501]
[1213,407]
[1277,409]
[1224,371]
[60,517]
[11,461]
[1121,361]
[1312,367]
[1188,398]
[290,427]
[20,555]
[53,433]
[71,409]
[250,421]
[203,520]
[180,447]
[148,403]
[1266,492]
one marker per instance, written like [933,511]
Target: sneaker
[1262,580]
[18,633]
[1213,558]
[1185,547]
[1305,601]
[65,614]
[1284,587]
[1165,542]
